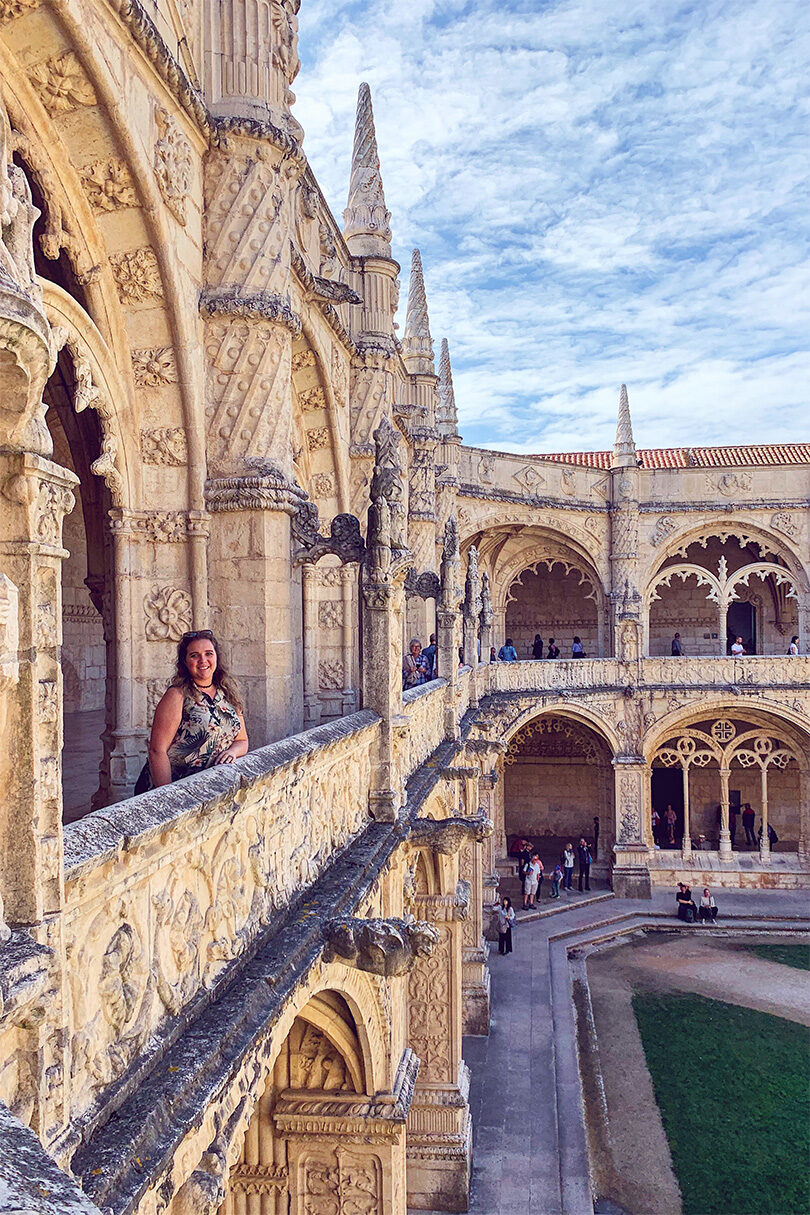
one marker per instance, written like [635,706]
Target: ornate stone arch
[521,715]
[791,720]
[319,433]
[776,542]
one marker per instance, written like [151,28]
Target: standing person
[707,911]
[568,858]
[793,648]
[670,821]
[537,648]
[199,719]
[656,827]
[414,666]
[585,859]
[507,652]
[534,875]
[524,860]
[556,879]
[429,655]
[596,837]
[748,820]
[577,649]
[677,646]
[506,918]
[553,650]
[493,654]
[733,811]
[737,649]
[773,838]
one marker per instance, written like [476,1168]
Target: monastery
[246,992]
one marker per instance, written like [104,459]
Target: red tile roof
[765,455]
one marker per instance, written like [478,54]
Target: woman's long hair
[182,678]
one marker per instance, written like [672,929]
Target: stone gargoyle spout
[382,947]
[447,835]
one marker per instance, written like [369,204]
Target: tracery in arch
[719,586]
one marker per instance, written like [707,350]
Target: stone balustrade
[423,728]
[163,891]
[544,676]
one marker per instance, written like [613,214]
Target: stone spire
[366,220]
[417,344]
[624,449]
[446,414]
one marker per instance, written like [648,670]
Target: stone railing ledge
[103,834]
[423,689]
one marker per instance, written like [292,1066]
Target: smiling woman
[199,720]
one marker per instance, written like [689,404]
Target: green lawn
[795,955]
[733,1087]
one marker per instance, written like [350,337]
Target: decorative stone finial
[624,449]
[366,220]
[446,414]
[417,344]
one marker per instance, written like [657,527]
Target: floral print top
[207,728]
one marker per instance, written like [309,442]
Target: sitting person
[687,911]
[198,721]
[707,911]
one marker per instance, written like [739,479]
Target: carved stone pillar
[487,782]
[251,59]
[726,853]
[764,843]
[475,977]
[686,842]
[312,704]
[631,873]
[447,633]
[422,520]
[439,1139]
[348,576]
[257,593]
[386,562]
[486,618]
[804,816]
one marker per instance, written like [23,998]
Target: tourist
[414,666]
[199,719]
[506,918]
[534,876]
[737,649]
[429,656]
[585,858]
[793,648]
[656,827]
[568,857]
[677,646]
[773,838]
[687,911]
[670,821]
[537,648]
[577,650]
[733,811]
[524,860]
[507,652]
[707,912]
[493,654]
[595,849]
[556,881]
[553,650]
[748,820]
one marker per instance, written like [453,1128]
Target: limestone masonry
[246,992]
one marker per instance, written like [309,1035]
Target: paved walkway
[529,1150]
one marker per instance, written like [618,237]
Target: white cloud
[601,192]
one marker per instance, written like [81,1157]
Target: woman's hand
[226,757]
[238,747]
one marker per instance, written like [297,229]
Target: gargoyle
[381,947]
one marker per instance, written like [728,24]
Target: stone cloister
[246,992]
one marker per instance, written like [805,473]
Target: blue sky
[602,191]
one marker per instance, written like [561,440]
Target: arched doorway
[558,777]
[319,1079]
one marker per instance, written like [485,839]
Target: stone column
[804,816]
[312,703]
[257,593]
[486,617]
[726,853]
[631,873]
[471,612]
[348,578]
[687,834]
[475,977]
[764,843]
[447,615]
[439,1134]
